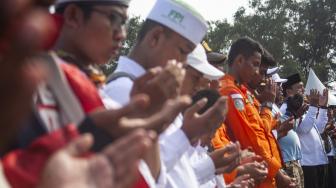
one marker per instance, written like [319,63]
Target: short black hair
[210,94]
[84,6]
[268,59]
[147,26]
[244,46]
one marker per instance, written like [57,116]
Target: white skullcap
[198,60]
[181,18]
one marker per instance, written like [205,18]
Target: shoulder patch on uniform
[236,96]
[239,103]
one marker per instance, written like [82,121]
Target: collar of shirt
[125,64]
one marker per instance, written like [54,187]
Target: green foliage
[299,34]
[133,28]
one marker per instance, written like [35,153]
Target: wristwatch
[268,105]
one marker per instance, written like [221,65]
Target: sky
[211,9]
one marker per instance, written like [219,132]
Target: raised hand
[243,181]
[125,153]
[160,120]
[323,100]
[160,85]
[227,158]
[269,92]
[256,170]
[121,121]
[195,125]
[67,169]
[116,166]
[314,97]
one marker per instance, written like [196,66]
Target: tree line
[301,34]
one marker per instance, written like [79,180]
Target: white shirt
[206,177]
[312,148]
[119,89]
[322,120]
[174,152]
[173,142]
[202,164]
[184,165]
[108,102]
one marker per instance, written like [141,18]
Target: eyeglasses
[116,19]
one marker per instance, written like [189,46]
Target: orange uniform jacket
[269,125]
[245,124]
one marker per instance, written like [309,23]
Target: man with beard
[314,160]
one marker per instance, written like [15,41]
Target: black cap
[291,80]
[213,57]
[268,59]
[216,58]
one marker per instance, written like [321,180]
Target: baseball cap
[197,59]
[276,78]
[272,71]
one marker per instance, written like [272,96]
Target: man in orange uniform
[244,122]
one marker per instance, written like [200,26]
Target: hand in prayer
[160,85]
[227,158]
[196,125]
[116,166]
[122,121]
[269,92]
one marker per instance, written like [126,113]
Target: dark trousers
[332,172]
[315,176]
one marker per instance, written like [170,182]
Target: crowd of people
[169,116]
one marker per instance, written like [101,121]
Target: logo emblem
[175,16]
[239,104]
